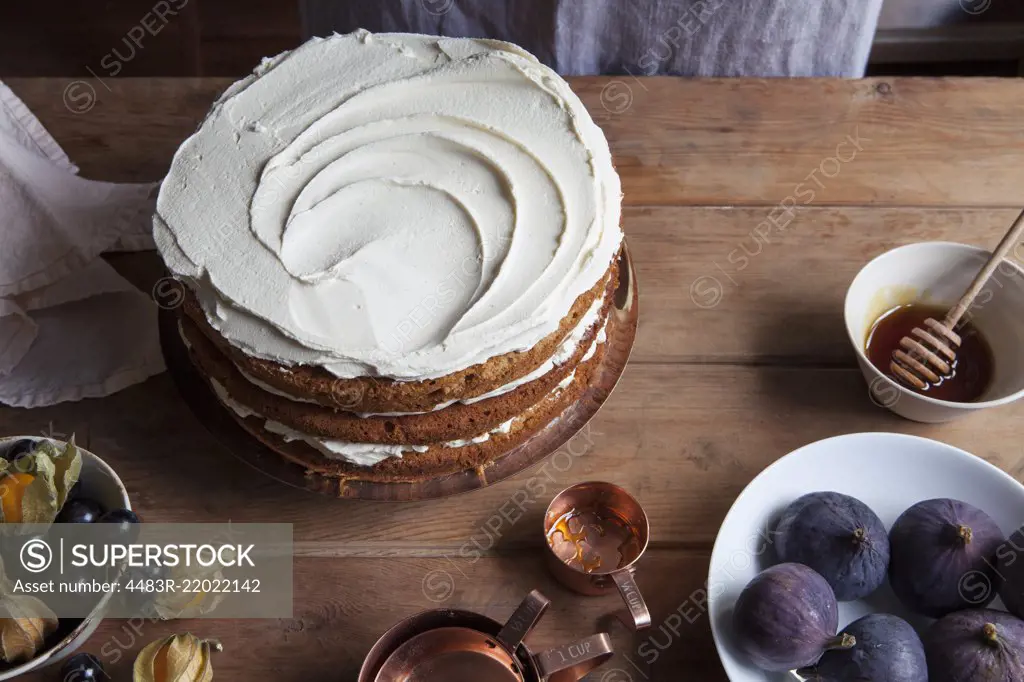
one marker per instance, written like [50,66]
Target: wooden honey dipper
[930,357]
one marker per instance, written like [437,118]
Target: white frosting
[393,205]
[602,336]
[361,454]
[270,389]
[562,354]
[368,454]
[236,407]
[184,339]
[565,351]
[504,427]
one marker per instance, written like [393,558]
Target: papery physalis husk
[6,586]
[39,483]
[25,623]
[67,468]
[171,605]
[178,658]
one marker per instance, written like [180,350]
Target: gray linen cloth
[640,37]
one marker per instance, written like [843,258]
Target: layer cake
[400,252]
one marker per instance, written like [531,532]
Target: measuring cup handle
[523,620]
[572,662]
[626,583]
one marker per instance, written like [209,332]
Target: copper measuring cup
[460,646]
[596,532]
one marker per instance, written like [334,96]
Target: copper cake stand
[621,331]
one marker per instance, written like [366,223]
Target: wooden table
[741,357]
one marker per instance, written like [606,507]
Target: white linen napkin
[70,326]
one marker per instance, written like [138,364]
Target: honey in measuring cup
[971,372]
[593,542]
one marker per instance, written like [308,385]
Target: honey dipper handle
[1014,234]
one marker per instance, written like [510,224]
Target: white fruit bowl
[99,483]
[888,472]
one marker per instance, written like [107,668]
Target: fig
[1010,560]
[943,557]
[786,618]
[978,645]
[887,650]
[840,538]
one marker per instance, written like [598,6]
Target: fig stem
[990,633]
[859,535]
[841,641]
[965,534]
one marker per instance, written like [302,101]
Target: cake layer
[453,422]
[369,395]
[435,460]
[395,206]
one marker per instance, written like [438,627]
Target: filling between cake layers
[369,454]
[563,353]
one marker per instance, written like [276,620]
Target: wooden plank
[182,37]
[974,42]
[744,141]
[898,14]
[938,142]
[685,439]
[760,285]
[237,35]
[126,38]
[334,623]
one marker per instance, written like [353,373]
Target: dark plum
[18,455]
[977,645]
[125,517]
[840,538]
[83,668]
[127,523]
[1010,560]
[786,618]
[76,490]
[887,650]
[80,511]
[943,557]
[18,449]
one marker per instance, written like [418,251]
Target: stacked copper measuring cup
[462,646]
[595,534]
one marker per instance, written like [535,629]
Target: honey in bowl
[971,371]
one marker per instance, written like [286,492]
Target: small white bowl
[100,483]
[938,273]
[889,473]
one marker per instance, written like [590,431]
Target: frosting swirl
[393,205]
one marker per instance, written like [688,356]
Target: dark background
[228,37]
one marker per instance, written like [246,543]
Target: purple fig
[840,538]
[978,645]
[943,557]
[1010,560]
[786,618]
[887,650]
